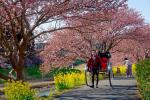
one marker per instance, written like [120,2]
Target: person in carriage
[104,58]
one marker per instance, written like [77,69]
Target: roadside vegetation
[143,78]
[121,70]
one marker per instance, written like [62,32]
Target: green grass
[31,73]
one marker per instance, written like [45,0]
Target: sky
[143,6]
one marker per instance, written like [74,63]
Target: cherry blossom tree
[135,46]
[22,21]
[66,46]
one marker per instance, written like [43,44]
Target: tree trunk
[19,72]
[20,68]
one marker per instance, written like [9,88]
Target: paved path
[123,89]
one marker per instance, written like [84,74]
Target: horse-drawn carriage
[105,68]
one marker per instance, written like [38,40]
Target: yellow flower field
[18,90]
[122,69]
[65,81]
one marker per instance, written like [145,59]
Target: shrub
[68,78]
[66,71]
[5,71]
[33,72]
[18,90]
[63,70]
[114,69]
[143,78]
[78,62]
[133,69]
[79,78]
[2,81]
[123,69]
[52,72]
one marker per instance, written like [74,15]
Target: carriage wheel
[88,78]
[110,75]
